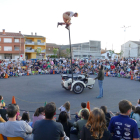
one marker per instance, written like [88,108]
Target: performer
[100,78]
[67,18]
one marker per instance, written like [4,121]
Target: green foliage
[53,56]
[55,50]
[68,51]
[38,50]
[121,53]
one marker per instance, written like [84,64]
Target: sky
[99,20]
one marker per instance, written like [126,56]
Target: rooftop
[34,36]
[11,34]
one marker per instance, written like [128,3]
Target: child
[25,117]
[18,117]
[78,114]
[2,103]
[66,108]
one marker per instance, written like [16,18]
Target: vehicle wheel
[78,88]
[90,87]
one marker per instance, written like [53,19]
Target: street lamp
[125,27]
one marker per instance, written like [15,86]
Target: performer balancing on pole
[67,18]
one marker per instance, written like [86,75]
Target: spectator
[136,116]
[13,128]
[123,127]
[95,127]
[138,103]
[2,103]
[18,117]
[107,115]
[80,123]
[3,113]
[83,106]
[25,117]
[133,110]
[48,129]
[39,115]
[63,119]
[66,108]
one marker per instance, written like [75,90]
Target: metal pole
[71,55]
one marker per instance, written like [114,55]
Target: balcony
[39,43]
[29,43]
[26,50]
[43,51]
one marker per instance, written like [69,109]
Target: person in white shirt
[67,18]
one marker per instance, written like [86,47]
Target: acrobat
[67,18]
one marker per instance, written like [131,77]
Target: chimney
[35,34]
[3,31]
[19,32]
[31,33]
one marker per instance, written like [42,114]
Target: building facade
[11,45]
[35,47]
[83,50]
[131,49]
[50,47]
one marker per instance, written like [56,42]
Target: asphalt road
[31,92]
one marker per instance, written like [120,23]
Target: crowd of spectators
[89,125]
[113,68]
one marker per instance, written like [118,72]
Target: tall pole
[71,55]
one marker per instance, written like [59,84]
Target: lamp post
[125,27]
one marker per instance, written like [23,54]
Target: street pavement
[31,92]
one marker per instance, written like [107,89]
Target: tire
[78,88]
[90,87]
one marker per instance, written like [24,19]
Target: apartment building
[11,45]
[35,46]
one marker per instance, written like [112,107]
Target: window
[7,56]
[16,40]
[0,48]
[7,48]
[0,39]
[8,40]
[39,41]
[16,48]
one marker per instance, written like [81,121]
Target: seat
[14,138]
[1,137]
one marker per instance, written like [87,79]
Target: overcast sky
[98,20]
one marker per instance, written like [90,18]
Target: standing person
[95,127]
[136,116]
[48,129]
[122,127]
[67,18]
[100,78]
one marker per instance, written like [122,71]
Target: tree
[55,51]
[68,52]
[38,50]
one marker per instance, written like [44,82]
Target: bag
[65,137]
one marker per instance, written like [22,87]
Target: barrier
[106,73]
[131,77]
[6,76]
[13,100]
[53,71]
[88,106]
[27,73]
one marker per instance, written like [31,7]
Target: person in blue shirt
[122,127]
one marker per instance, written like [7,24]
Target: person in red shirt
[112,67]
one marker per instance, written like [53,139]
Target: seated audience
[138,103]
[25,117]
[3,113]
[63,119]
[39,115]
[80,123]
[48,129]
[13,128]
[123,127]
[95,127]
